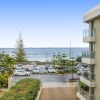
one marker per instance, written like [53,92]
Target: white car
[21,72]
[51,70]
[30,67]
[19,68]
[36,70]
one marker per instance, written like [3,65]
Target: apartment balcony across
[88,57]
[89,80]
[89,35]
[84,95]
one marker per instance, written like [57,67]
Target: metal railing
[88,54]
[85,94]
[88,33]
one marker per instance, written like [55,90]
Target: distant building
[89,85]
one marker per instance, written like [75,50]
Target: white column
[10,82]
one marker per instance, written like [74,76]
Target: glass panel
[89,32]
[92,72]
[92,46]
[92,91]
[84,91]
[92,68]
[92,26]
[88,54]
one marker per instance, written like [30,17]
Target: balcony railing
[89,33]
[88,54]
[90,77]
[85,94]
[92,97]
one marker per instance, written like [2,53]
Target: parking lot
[44,78]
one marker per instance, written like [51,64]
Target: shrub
[25,89]
[4,81]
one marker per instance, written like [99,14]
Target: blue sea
[43,54]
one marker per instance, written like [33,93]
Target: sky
[44,23]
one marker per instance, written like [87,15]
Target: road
[45,78]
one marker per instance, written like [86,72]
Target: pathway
[58,93]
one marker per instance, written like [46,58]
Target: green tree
[54,61]
[78,59]
[59,60]
[7,65]
[6,69]
[20,53]
[72,64]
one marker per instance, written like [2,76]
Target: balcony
[84,95]
[87,79]
[88,57]
[88,76]
[89,35]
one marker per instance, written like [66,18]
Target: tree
[20,53]
[7,65]
[60,61]
[78,59]
[6,69]
[72,64]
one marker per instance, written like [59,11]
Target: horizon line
[45,47]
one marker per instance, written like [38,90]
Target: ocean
[43,54]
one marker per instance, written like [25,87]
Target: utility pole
[70,51]
[71,60]
[46,57]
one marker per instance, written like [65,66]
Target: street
[45,78]
[48,77]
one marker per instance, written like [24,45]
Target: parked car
[80,72]
[47,66]
[51,70]
[85,65]
[81,68]
[21,72]
[36,70]
[19,68]
[78,65]
[29,67]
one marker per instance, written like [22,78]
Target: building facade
[89,85]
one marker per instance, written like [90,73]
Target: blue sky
[44,23]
